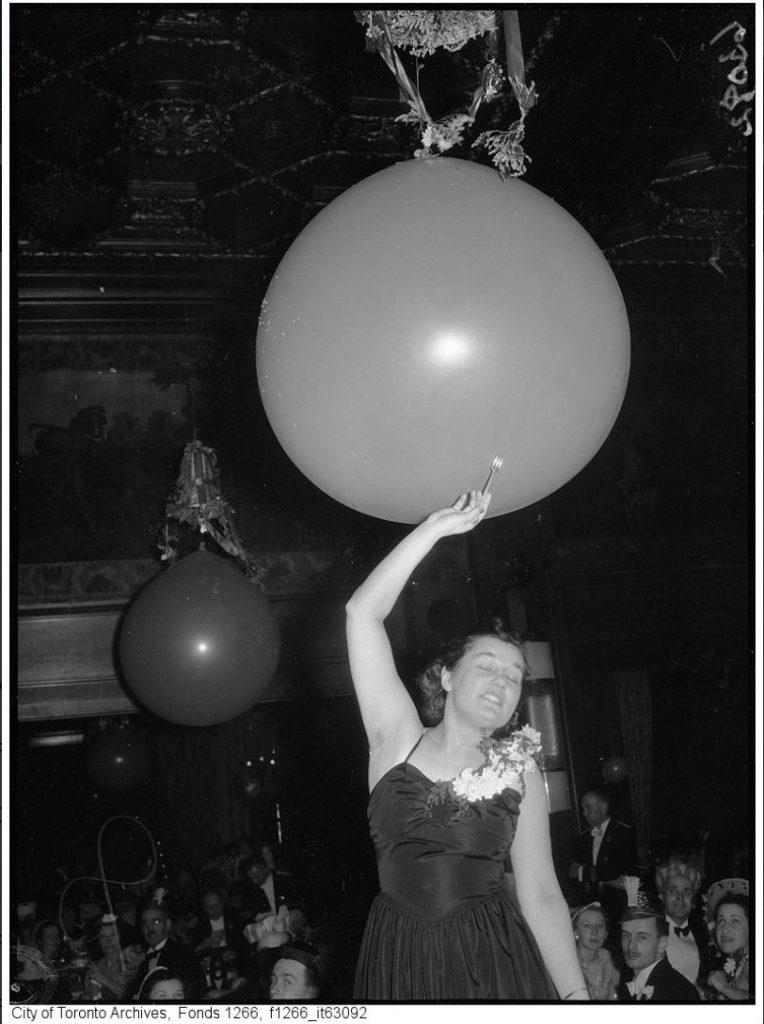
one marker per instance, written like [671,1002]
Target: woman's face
[591,930]
[731,928]
[167,990]
[108,938]
[486,683]
[134,956]
[50,940]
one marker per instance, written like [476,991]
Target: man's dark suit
[668,986]
[284,888]
[178,959]
[617,854]
[234,930]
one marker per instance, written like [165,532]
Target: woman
[731,980]
[590,929]
[444,925]
[162,986]
[109,976]
[49,939]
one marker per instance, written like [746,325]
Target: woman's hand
[718,980]
[464,515]
[96,975]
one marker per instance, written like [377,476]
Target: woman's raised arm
[389,716]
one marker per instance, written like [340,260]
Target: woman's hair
[48,922]
[246,863]
[429,680]
[119,927]
[597,907]
[154,978]
[738,901]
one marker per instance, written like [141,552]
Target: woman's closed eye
[506,676]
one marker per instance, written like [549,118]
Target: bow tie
[681,931]
[632,987]
[597,830]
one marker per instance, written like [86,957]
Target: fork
[496,465]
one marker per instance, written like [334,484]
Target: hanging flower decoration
[506,148]
[505,764]
[197,501]
[422,33]
[425,31]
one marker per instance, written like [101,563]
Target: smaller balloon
[614,769]
[199,644]
[118,759]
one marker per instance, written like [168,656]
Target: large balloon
[434,316]
[200,643]
[118,759]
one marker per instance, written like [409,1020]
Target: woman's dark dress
[443,926]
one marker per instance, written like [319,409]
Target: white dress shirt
[153,954]
[217,931]
[636,986]
[598,832]
[270,891]
[682,952]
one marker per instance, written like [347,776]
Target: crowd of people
[237,930]
[231,936]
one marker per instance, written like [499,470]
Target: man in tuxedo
[266,886]
[164,951]
[602,854]
[648,975]
[218,925]
[689,950]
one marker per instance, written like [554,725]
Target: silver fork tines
[496,465]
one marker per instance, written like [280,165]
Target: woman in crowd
[590,929]
[731,930]
[162,986]
[49,939]
[447,804]
[108,977]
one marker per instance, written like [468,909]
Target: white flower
[647,992]
[504,767]
[532,734]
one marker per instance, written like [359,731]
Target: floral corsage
[505,763]
[732,965]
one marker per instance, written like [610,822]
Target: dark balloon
[614,769]
[118,759]
[199,644]
[430,318]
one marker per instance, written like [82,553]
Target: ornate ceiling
[222,130]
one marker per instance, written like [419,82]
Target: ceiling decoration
[165,130]
[220,131]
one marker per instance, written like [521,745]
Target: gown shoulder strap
[405,760]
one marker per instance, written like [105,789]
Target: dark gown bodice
[444,925]
[430,865]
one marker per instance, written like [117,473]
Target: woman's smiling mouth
[492,698]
